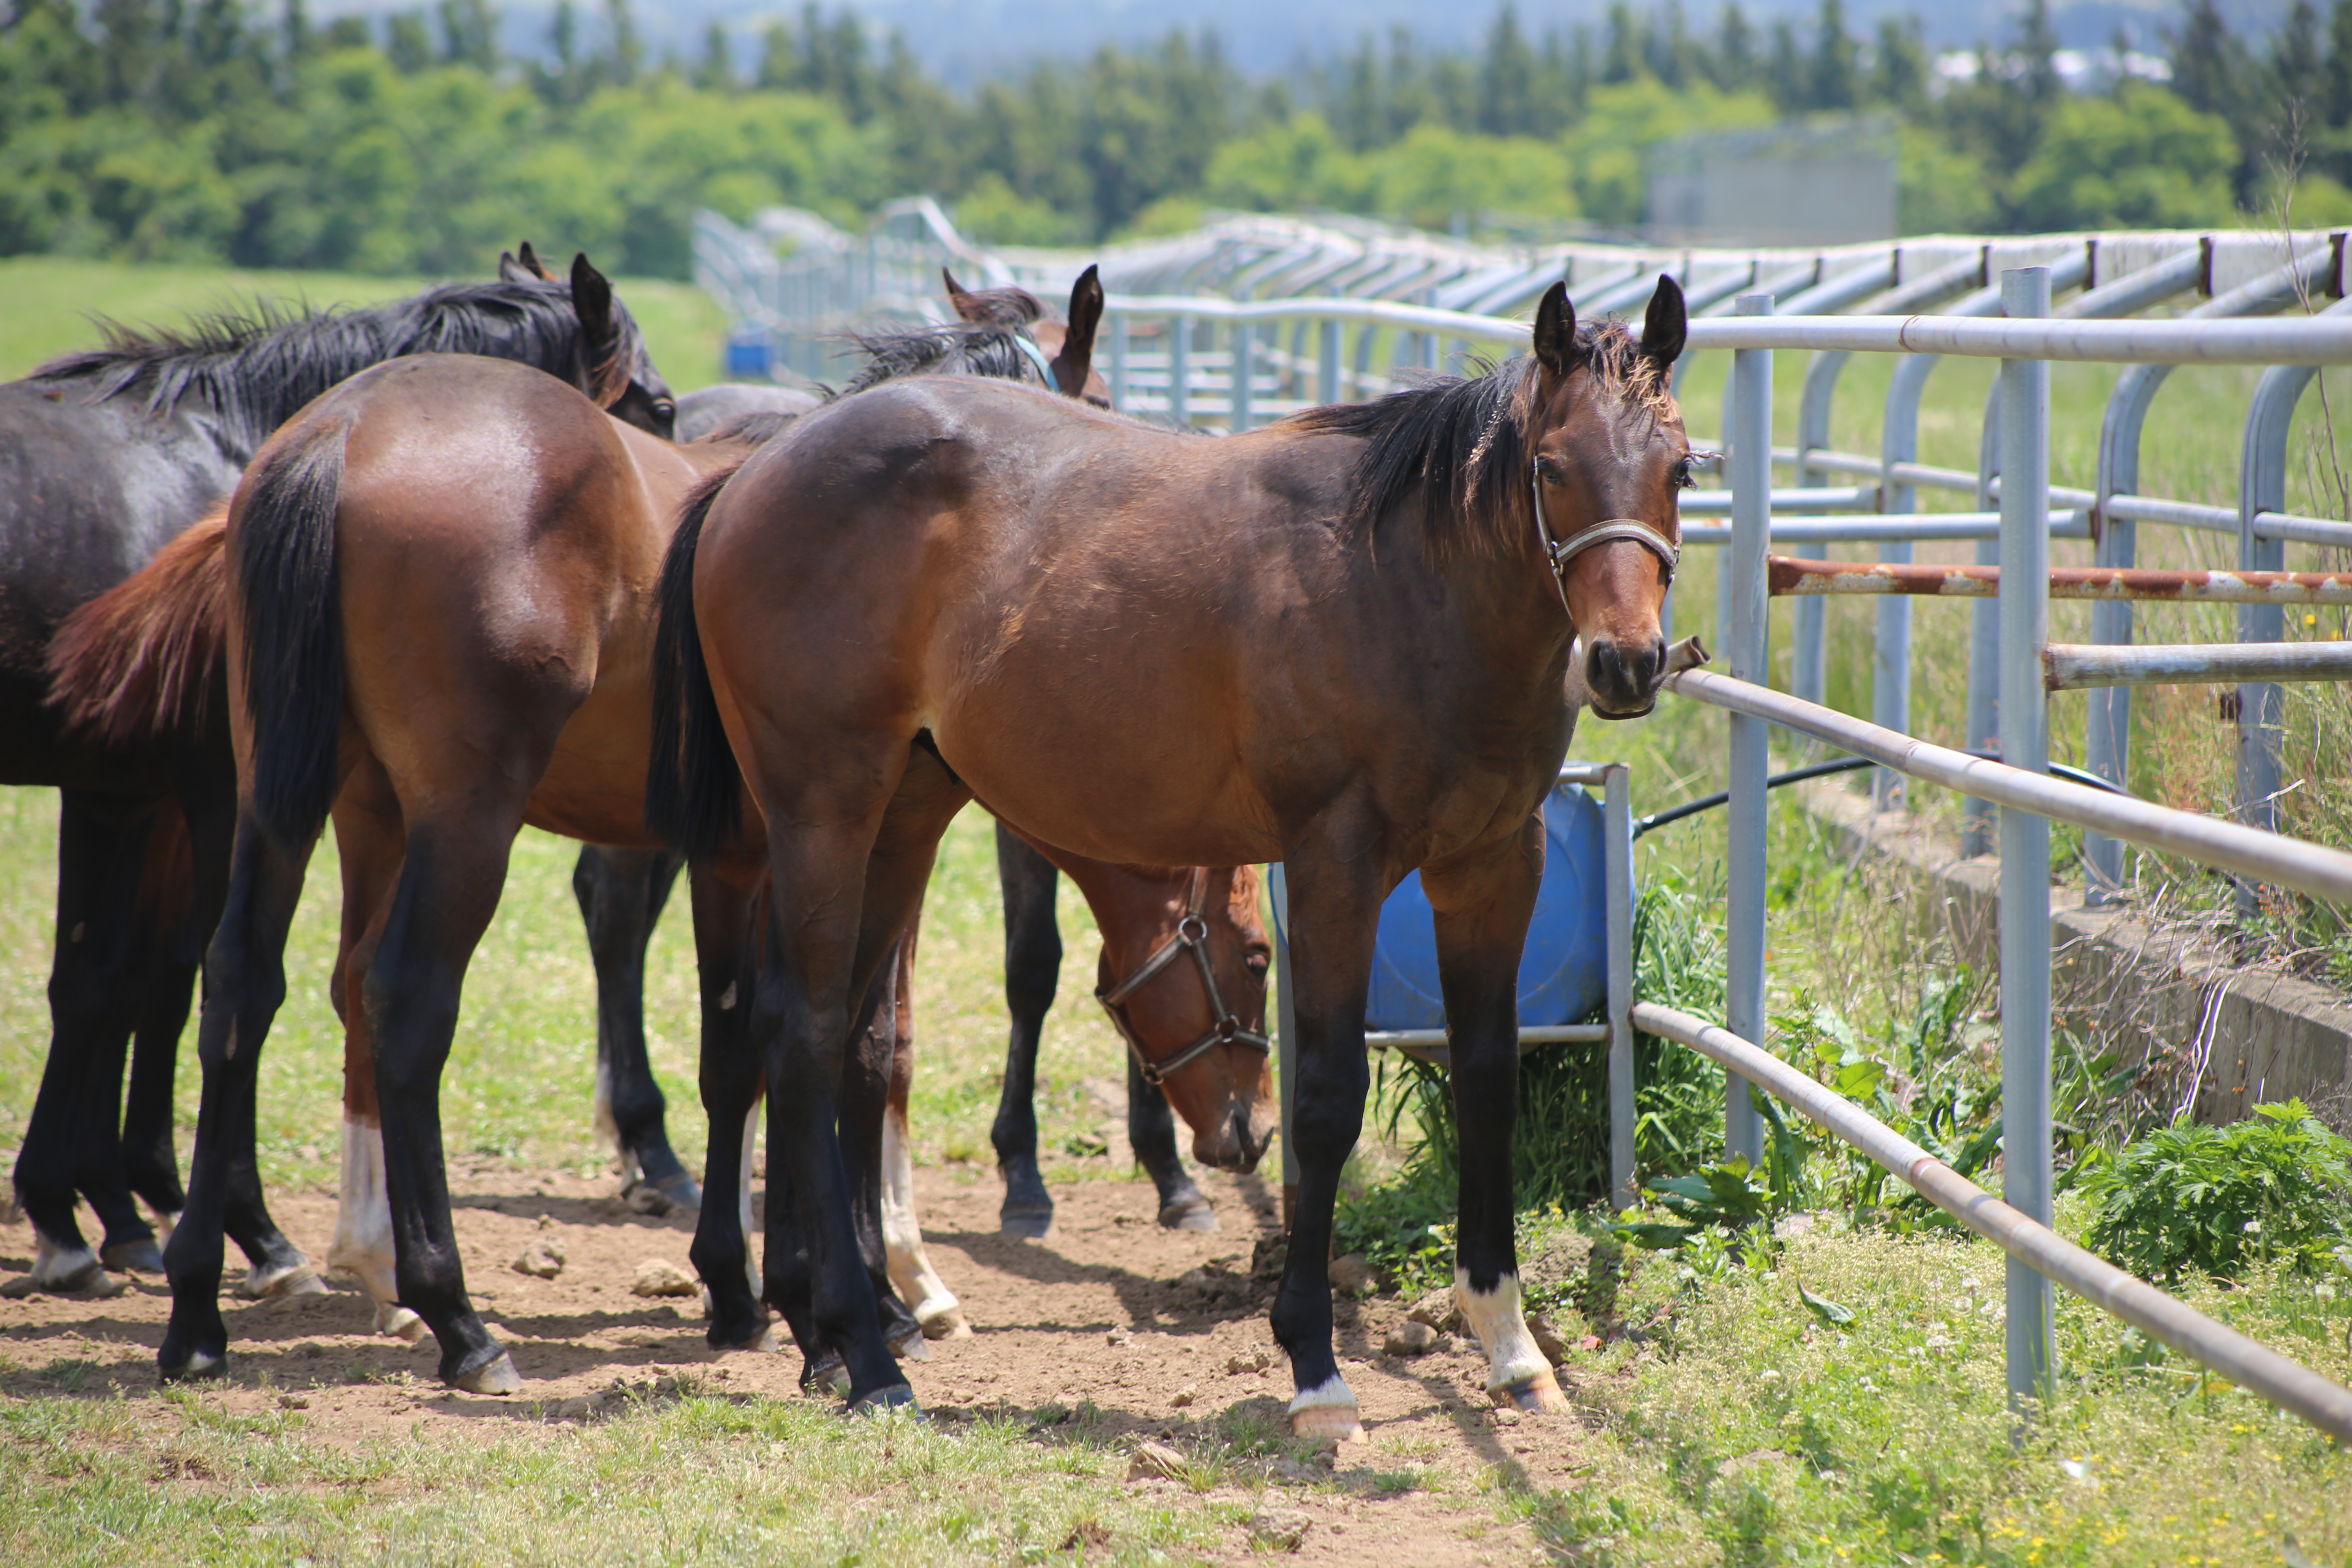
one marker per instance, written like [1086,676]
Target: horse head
[1610,455]
[617,369]
[1070,343]
[1185,982]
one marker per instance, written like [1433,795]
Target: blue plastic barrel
[749,359]
[1564,974]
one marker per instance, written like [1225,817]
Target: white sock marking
[363,1244]
[926,1296]
[1332,1394]
[1501,1330]
[743,1195]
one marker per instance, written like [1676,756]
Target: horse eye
[665,408]
[1256,964]
[1683,480]
[1546,470]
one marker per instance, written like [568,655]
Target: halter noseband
[1608,530]
[1193,935]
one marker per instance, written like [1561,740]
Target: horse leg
[934,1305]
[368,845]
[731,1084]
[846,881]
[1151,1130]
[621,894]
[71,1146]
[1483,906]
[1336,888]
[245,984]
[1033,970]
[452,871]
[866,1074]
[866,1070]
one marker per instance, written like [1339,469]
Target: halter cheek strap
[1559,552]
[1037,357]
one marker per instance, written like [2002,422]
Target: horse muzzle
[1621,680]
[1237,1142]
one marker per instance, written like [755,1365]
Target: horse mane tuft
[949,348]
[1454,449]
[140,661]
[258,365]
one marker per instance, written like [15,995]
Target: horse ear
[511,271]
[967,306]
[538,268]
[1075,361]
[600,332]
[1555,334]
[1668,325]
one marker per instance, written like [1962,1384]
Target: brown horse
[1339,642]
[437,618]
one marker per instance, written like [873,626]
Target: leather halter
[1192,936]
[1608,530]
[1036,356]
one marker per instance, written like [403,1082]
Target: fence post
[1119,343]
[1179,371]
[1750,463]
[1327,365]
[1617,884]
[1241,371]
[2025,839]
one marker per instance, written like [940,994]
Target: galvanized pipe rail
[2288,1385]
[2312,868]
[2078,667]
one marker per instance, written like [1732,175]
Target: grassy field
[1731,1424]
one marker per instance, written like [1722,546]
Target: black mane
[1455,448]
[255,369]
[953,348]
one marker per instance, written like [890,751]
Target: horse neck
[1502,608]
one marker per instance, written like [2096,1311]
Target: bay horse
[437,642]
[104,456]
[1340,642]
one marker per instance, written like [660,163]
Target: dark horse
[105,456]
[1340,642]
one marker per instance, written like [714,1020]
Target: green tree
[1836,70]
[2335,76]
[1507,79]
[715,71]
[1733,62]
[2141,158]
[1898,71]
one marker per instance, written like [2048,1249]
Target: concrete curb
[2226,1036]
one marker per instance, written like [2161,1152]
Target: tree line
[216,130]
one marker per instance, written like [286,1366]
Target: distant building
[1816,182]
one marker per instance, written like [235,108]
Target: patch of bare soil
[1163,1333]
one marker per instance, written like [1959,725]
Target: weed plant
[2215,1200]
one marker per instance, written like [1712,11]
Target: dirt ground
[1101,1313]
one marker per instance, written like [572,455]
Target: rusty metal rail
[1788,577]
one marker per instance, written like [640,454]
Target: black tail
[694,792]
[293,630]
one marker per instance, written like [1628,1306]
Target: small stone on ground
[659,1276]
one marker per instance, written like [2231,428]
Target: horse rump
[140,663]
[694,792]
[293,630]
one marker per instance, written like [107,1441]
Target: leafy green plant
[2212,1200]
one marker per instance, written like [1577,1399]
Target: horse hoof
[198,1367]
[1197,1215]
[400,1323]
[141,1257]
[826,1374]
[682,1190]
[756,1337]
[1328,1424]
[948,1325]
[914,1347]
[1025,1225]
[286,1279]
[497,1376]
[893,1399]
[1538,1392]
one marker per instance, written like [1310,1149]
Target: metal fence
[1305,313]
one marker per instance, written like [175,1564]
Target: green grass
[51,302]
[702,1480]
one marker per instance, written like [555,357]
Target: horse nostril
[1603,668]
